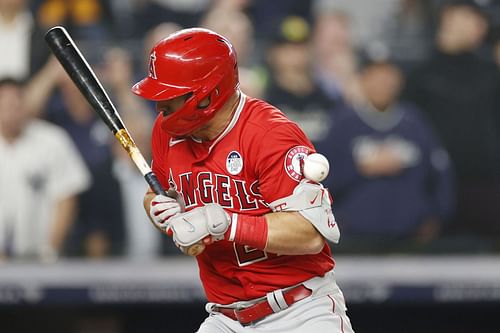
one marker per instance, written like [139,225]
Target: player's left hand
[194,226]
[162,208]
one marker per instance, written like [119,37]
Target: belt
[264,308]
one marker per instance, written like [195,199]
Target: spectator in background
[231,5]
[42,174]
[391,180]
[460,93]
[237,27]
[23,49]
[99,229]
[291,85]
[267,15]
[409,33]
[334,55]
[86,19]
[117,73]
[151,13]
[239,30]
[366,18]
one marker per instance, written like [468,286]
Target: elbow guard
[313,202]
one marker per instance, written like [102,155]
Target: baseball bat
[73,62]
[82,75]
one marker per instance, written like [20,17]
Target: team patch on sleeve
[293,160]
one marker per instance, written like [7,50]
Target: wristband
[248,230]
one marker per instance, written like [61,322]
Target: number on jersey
[246,255]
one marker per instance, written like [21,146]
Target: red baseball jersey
[253,162]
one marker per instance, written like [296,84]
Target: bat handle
[154,183]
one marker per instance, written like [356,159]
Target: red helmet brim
[155,90]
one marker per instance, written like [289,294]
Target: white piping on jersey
[196,139]
[234,225]
[233,121]
[173,141]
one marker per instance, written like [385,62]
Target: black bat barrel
[70,57]
[78,69]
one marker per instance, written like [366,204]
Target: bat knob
[195,249]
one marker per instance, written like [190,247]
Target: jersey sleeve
[278,160]
[159,147]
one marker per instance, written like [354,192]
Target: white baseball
[316,167]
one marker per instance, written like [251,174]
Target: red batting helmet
[192,61]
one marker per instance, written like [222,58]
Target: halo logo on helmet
[195,62]
[152,69]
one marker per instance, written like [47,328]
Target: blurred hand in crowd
[428,231]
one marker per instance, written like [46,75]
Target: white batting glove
[163,208]
[191,227]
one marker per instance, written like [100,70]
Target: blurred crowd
[402,96]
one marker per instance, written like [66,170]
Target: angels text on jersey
[207,187]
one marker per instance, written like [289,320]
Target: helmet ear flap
[205,103]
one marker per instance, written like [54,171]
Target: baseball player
[235,162]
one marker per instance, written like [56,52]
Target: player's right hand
[162,209]
[200,226]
